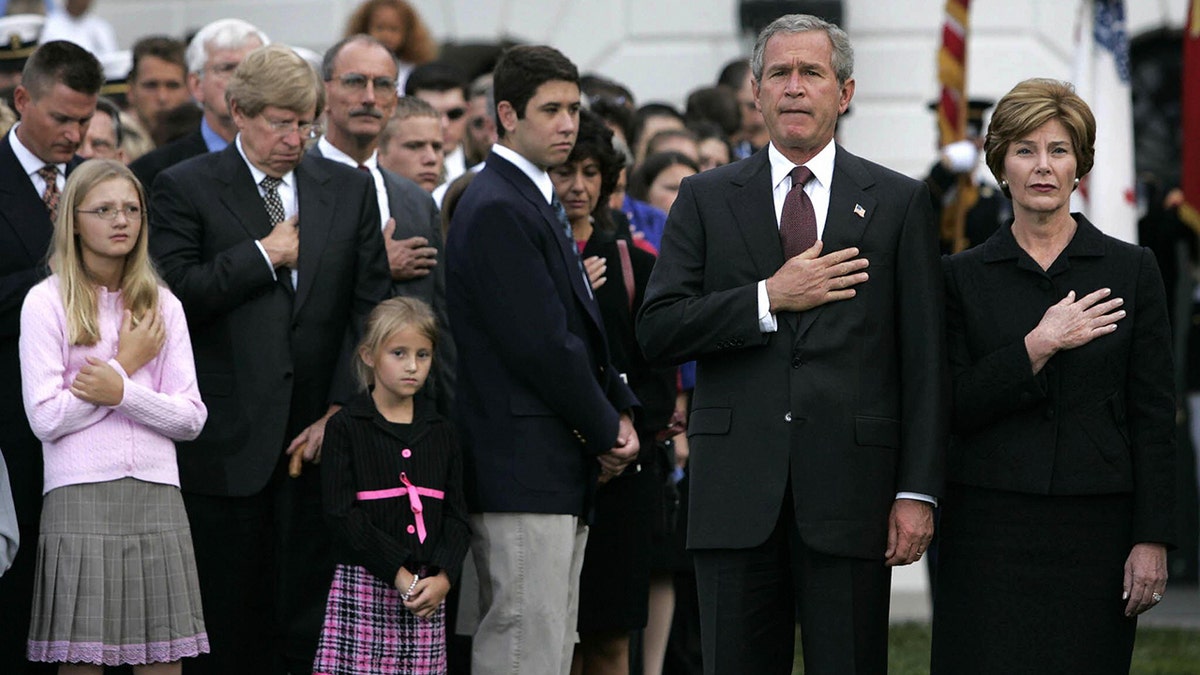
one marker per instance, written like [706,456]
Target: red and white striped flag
[1100,74]
[952,115]
[1189,212]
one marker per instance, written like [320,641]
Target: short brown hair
[275,75]
[160,47]
[1028,106]
[407,107]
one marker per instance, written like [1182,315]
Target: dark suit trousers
[750,599]
[265,567]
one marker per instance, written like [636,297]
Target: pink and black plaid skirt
[367,630]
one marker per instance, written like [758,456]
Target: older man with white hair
[212,56]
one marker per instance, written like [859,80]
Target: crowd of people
[364,362]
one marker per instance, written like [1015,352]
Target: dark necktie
[270,186]
[565,222]
[50,195]
[798,222]
[364,167]
[274,206]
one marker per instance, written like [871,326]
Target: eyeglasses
[359,82]
[131,211]
[307,131]
[223,69]
[455,113]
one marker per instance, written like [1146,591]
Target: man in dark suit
[56,101]
[277,259]
[359,103]
[212,56]
[537,399]
[817,427]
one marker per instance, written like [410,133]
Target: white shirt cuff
[766,320]
[262,249]
[917,496]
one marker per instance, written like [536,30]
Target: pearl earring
[1076,182]
[1003,183]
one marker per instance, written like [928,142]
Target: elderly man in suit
[56,101]
[541,410]
[805,283]
[212,56]
[359,103]
[277,259]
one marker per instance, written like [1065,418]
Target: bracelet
[405,594]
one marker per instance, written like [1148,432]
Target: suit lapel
[850,210]
[755,216]
[240,193]
[525,187]
[316,218]
[22,207]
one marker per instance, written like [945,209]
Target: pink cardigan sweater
[87,443]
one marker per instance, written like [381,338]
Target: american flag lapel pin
[860,211]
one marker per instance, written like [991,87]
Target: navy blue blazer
[537,397]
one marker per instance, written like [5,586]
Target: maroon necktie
[798,222]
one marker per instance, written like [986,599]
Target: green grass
[1158,651]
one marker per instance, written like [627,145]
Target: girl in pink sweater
[108,381]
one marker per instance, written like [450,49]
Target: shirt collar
[257,173]
[29,161]
[539,177]
[212,140]
[331,151]
[821,165]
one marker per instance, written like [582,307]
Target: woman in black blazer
[1058,511]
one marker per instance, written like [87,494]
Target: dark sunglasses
[455,113]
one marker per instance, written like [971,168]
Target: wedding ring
[1157,597]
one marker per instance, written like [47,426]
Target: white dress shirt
[287,195]
[32,165]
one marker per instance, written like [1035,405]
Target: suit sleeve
[991,387]
[177,242]
[681,319]
[452,544]
[525,317]
[1150,403]
[919,307]
[372,285]
[447,352]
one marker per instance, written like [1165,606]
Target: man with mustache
[357,72]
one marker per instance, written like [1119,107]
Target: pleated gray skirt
[116,577]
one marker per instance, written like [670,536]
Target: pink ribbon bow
[414,500]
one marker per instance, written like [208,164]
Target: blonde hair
[275,75]
[139,281]
[1028,106]
[386,319]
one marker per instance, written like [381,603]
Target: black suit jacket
[1097,419]
[269,360]
[25,231]
[148,166]
[537,397]
[417,215]
[846,399]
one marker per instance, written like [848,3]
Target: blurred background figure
[18,38]
[753,133]
[74,22]
[398,26]
[412,143]
[444,86]
[157,79]
[481,121]
[103,138]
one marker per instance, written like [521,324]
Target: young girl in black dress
[393,497]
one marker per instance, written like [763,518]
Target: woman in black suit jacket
[1058,512]
[614,584]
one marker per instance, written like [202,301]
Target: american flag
[1101,77]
